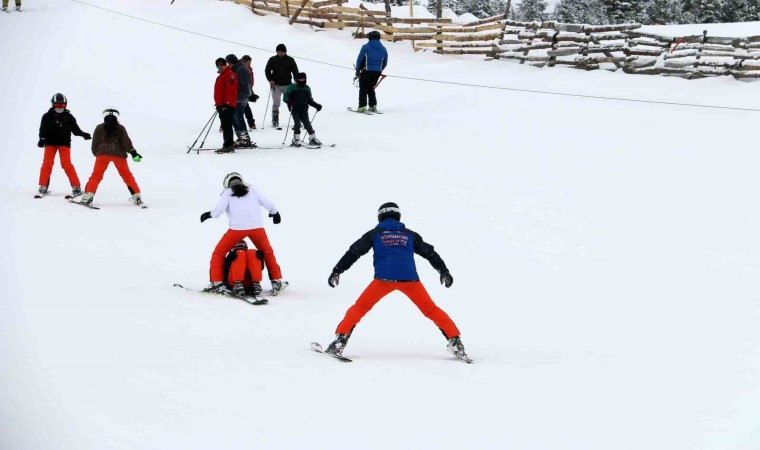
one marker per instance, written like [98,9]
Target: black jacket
[57,128]
[280,70]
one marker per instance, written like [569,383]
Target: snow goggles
[59,107]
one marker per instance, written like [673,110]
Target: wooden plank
[298,11]
[444,37]
[606,28]
[388,29]
[463,52]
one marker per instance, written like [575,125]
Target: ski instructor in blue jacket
[372,60]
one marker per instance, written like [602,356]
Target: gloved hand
[357,74]
[260,254]
[136,157]
[275,218]
[222,108]
[253,97]
[205,216]
[86,136]
[318,107]
[446,279]
[334,279]
[271,83]
[41,143]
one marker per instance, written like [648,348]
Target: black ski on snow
[250,300]
[83,204]
[318,348]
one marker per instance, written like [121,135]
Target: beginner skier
[225,101]
[372,60]
[111,144]
[393,247]
[298,98]
[242,270]
[278,71]
[242,204]
[56,128]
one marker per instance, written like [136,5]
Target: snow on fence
[542,44]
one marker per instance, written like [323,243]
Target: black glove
[318,107]
[446,279]
[41,143]
[205,216]
[275,218]
[253,97]
[221,109]
[334,279]
[357,74]
[260,254]
[86,136]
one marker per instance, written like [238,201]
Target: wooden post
[388,12]
[284,8]
[438,15]
[298,11]
[505,17]
[411,16]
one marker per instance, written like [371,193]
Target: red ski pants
[47,165]
[246,268]
[416,292]
[259,238]
[101,164]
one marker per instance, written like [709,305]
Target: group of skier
[235,269]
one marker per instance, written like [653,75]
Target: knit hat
[281,48]
[241,245]
[231,59]
[220,61]
[374,34]
[246,58]
[388,210]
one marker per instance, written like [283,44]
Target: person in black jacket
[243,92]
[279,70]
[394,247]
[298,97]
[56,128]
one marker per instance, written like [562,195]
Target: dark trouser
[300,116]
[367,84]
[226,117]
[238,122]
[248,114]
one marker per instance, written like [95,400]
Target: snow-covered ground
[605,253]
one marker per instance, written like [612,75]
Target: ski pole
[207,132]
[382,77]
[314,117]
[287,128]
[202,130]
[266,108]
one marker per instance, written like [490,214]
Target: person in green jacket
[298,98]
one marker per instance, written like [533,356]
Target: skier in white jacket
[243,206]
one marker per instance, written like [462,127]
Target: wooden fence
[543,44]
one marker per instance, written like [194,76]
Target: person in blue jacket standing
[372,60]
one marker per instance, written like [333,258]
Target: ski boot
[5,9]
[226,149]
[76,191]
[42,190]
[256,289]
[277,287]
[87,198]
[18,8]
[275,119]
[336,347]
[136,199]
[244,140]
[252,125]
[216,287]
[296,142]
[373,108]
[361,109]
[313,139]
[456,348]
[238,289]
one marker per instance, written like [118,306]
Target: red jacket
[226,88]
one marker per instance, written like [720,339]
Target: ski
[318,348]
[141,204]
[271,148]
[368,113]
[462,356]
[83,204]
[38,195]
[69,197]
[250,300]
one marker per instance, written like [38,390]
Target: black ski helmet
[59,99]
[388,210]
[241,245]
[301,76]
[231,59]
[374,34]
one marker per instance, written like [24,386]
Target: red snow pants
[101,164]
[47,164]
[246,268]
[259,238]
[416,292]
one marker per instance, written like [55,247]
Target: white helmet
[232,179]
[110,112]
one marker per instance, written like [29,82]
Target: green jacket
[299,97]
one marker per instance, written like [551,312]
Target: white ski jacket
[244,213]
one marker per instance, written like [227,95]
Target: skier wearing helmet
[243,204]
[372,60]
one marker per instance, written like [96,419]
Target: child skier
[56,128]
[298,98]
[394,247]
[242,204]
[111,144]
[242,269]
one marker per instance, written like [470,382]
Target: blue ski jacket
[372,57]
[394,247]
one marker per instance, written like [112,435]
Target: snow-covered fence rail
[543,44]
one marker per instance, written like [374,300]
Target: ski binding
[318,348]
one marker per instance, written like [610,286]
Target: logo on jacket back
[392,239]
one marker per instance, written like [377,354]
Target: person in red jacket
[243,269]
[248,113]
[225,100]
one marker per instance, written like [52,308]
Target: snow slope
[604,252]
